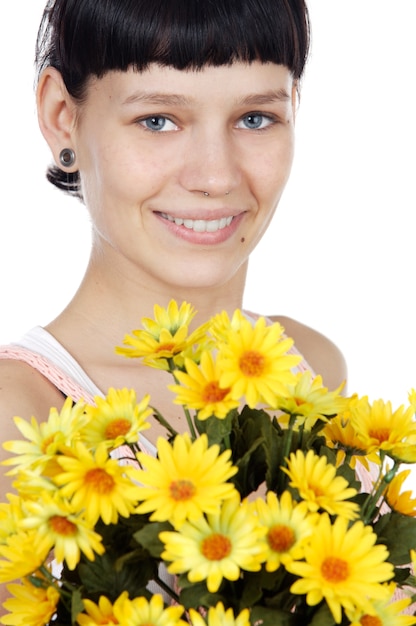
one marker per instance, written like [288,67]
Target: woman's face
[152,145]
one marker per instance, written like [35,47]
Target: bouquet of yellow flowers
[282,503]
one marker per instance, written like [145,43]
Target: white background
[340,253]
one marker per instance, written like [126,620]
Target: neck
[109,305]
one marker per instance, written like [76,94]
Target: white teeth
[200,226]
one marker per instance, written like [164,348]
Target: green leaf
[217,430]
[397,532]
[148,537]
[322,617]
[77,605]
[104,577]
[255,584]
[274,617]
[254,449]
[403,576]
[197,595]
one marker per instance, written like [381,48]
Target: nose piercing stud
[206,194]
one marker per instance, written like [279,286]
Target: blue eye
[158,123]
[256,121]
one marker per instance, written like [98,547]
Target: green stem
[227,442]
[286,450]
[158,415]
[50,580]
[347,458]
[190,423]
[289,437]
[370,505]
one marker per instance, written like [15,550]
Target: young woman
[173,121]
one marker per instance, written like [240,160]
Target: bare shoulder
[319,351]
[23,392]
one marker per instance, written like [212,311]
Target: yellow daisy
[413,559]
[10,515]
[221,324]
[317,483]
[412,399]
[143,612]
[58,527]
[343,566]
[380,427]
[46,439]
[405,452]
[200,389]
[19,557]
[255,363]
[310,401]
[218,546]
[187,479]
[384,613]
[165,339]
[219,616]
[116,419]
[341,435]
[402,502]
[171,318]
[102,613]
[31,606]
[288,527]
[29,483]
[96,484]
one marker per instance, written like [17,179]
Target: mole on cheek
[242,239]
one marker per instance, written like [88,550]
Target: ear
[56,113]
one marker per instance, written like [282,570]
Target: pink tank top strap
[62,381]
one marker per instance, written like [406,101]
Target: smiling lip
[200,226]
[201,231]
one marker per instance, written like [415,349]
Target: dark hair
[85,38]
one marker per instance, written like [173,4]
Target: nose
[210,165]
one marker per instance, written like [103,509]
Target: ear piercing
[67,157]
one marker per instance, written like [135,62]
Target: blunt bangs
[84,38]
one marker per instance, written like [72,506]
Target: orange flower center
[117,427]
[216,547]
[371,620]
[381,434]
[182,490]
[334,570]
[46,442]
[62,526]
[100,481]
[252,363]
[299,401]
[317,490]
[166,347]
[213,392]
[280,538]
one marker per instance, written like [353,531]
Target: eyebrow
[171,99]
[268,97]
[157,98]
